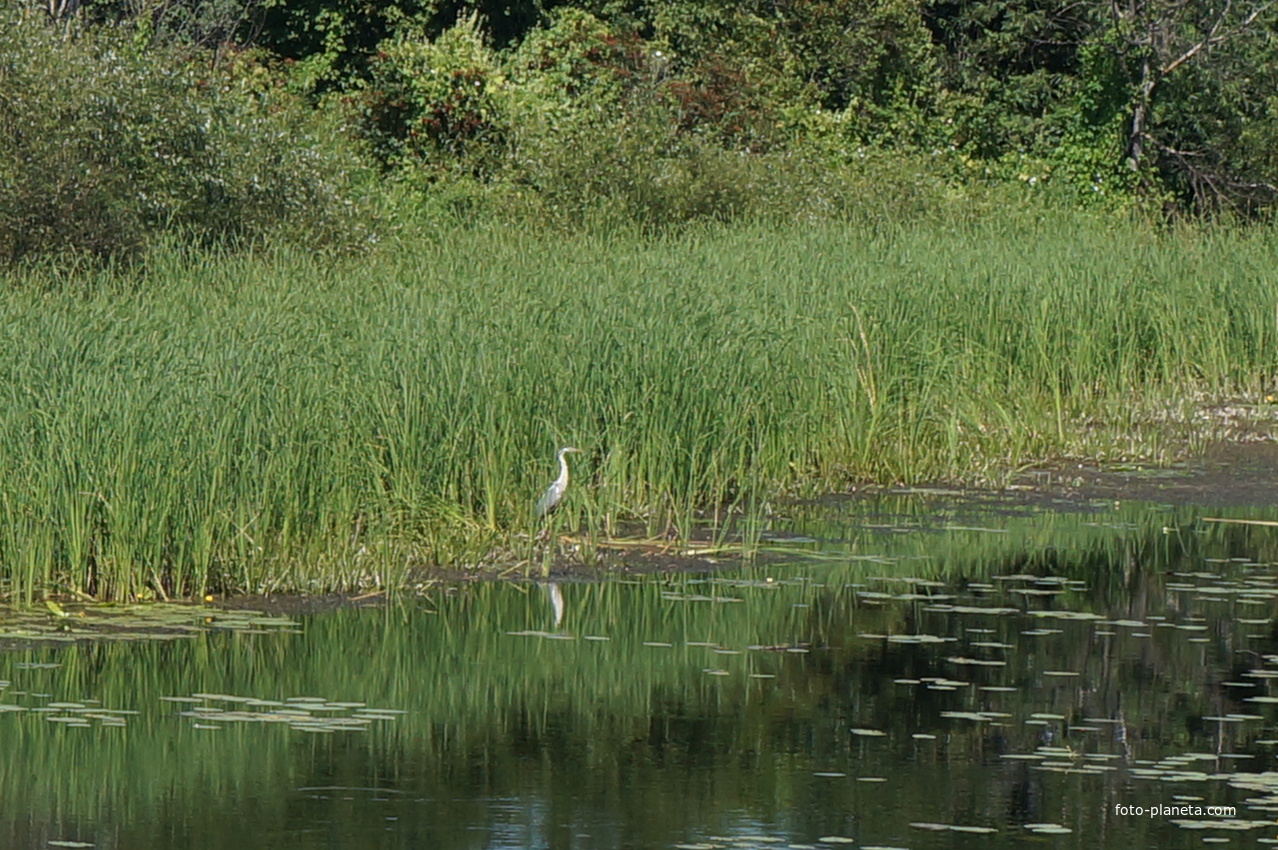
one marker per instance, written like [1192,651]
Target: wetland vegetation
[281,315]
[269,421]
[303,298]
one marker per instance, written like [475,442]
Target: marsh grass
[277,421]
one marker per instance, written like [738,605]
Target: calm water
[900,675]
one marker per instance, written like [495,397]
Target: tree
[1189,130]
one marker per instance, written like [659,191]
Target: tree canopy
[662,109]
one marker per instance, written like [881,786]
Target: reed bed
[277,421]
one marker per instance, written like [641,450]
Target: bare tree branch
[1214,35]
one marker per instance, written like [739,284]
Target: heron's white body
[555,492]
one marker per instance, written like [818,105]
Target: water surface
[912,673]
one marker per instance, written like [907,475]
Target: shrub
[719,100]
[436,106]
[105,144]
[581,65]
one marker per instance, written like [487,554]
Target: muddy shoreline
[1234,473]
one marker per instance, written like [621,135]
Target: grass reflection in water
[924,689]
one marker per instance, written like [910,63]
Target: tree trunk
[1149,76]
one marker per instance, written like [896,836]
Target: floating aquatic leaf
[981,716]
[919,639]
[1234,824]
[972,609]
[1066,615]
[980,662]
[1048,828]
[762,839]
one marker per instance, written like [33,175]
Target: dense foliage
[231,119]
[107,141]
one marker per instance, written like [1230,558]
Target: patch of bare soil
[1226,475]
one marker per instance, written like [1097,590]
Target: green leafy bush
[581,64]
[104,144]
[638,170]
[436,107]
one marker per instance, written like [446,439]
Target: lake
[916,670]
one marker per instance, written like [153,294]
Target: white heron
[555,492]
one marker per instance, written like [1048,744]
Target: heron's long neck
[563,469]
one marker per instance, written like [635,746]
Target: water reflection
[998,678]
[556,597]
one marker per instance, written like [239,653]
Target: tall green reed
[274,421]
